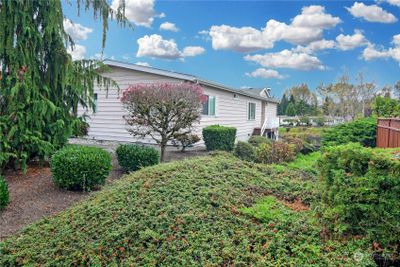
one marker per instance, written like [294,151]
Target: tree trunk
[163,146]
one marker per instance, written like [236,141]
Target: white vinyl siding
[251,111]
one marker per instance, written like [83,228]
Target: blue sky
[252,43]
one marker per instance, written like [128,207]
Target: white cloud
[140,12]
[372,13]
[78,52]
[155,46]
[76,31]
[143,64]
[287,59]
[265,73]
[304,28]
[168,26]
[192,51]
[371,52]
[393,2]
[348,42]
[315,46]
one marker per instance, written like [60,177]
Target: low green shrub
[297,143]
[245,151]
[217,137]
[277,152]
[133,157]
[80,167]
[361,131]
[4,195]
[360,192]
[257,140]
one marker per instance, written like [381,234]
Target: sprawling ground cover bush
[4,195]
[360,193]
[80,167]
[245,151]
[189,213]
[133,157]
[361,131]
[257,140]
[217,137]
[277,152]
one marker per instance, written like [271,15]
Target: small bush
[186,140]
[245,151]
[297,143]
[218,137]
[134,157]
[81,128]
[277,152]
[257,140]
[360,192]
[361,131]
[4,195]
[80,167]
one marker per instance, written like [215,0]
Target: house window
[209,106]
[251,111]
[94,103]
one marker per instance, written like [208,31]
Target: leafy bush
[218,137]
[277,152]
[184,213]
[245,151]
[80,167]
[361,131]
[360,191]
[134,157]
[296,142]
[257,140]
[4,195]
[186,140]
[81,128]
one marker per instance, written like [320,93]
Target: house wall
[108,123]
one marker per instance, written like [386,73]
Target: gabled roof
[187,77]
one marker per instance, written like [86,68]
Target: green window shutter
[211,106]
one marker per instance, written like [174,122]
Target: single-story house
[251,111]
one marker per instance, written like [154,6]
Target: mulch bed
[33,195]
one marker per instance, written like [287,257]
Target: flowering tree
[162,111]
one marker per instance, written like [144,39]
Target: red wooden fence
[388,133]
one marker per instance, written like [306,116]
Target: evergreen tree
[282,106]
[40,85]
[291,109]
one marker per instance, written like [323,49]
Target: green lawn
[210,211]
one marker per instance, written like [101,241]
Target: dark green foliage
[40,85]
[218,137]
[245,151]
[184,213]
[81,128]
[360,191]
[80,167]
[134,157]
[361,131]
[4,195]
[257,140]
[386,107]
[277,152]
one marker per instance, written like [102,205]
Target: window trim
[248,110]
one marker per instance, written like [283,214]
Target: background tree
[40,85]
[282,106]
[162,111]
[302,100]
[397,88]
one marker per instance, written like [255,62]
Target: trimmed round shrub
[80,167]
[4,195]
[257,140]
[217,137]
[245,151]
[277,152]
[133,157]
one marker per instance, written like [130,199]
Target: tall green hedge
[217,137]
[360,192]
[4,195]
[361,131]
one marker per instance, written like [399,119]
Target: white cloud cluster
[168,26]
[287,59]
[394,2]
[76,31]
[304,28]
[155,46]
[316,46]
[78,52]
[348,42]
[371,13]
[140,12]
[371,52]
[265,73]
